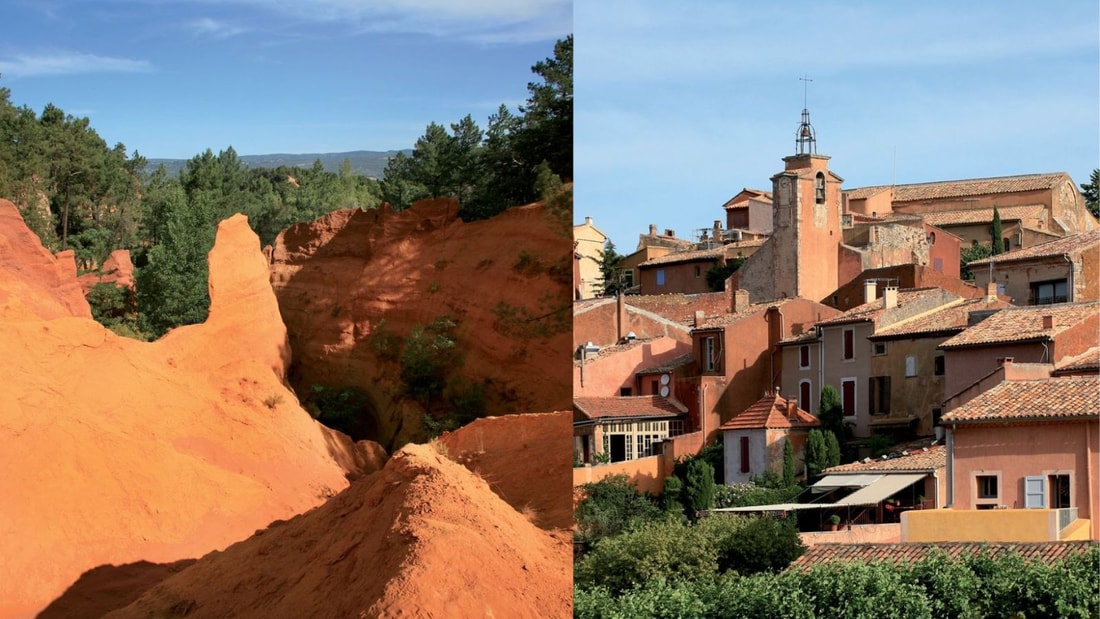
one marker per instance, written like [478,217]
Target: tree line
[75,192]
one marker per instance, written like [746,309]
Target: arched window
[819,184]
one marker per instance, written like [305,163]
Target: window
[879,399]
[1059,491]
[660,277]
[654,386]
[710,361]
[987,487]
[625,391]
[819,184]
[878,348]
[628,277]
[849,344]
[1045,293]
[744,454]
[803,357]
[910,366]
[937,414]
[697,270]
[1007,244]
[848,396]
[939,365]
[804,389]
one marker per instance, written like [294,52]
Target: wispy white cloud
[68,63]
[209,27]
[483,21]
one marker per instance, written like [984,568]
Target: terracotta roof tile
[1057,247]
[715,322]
[651,406]
[927,459]
[613,349]
[669,365]
[959,217]
[949,319]
[1046,552]
[1016,324]
[1067,397]
[770,412]
[870,312]
[966,187]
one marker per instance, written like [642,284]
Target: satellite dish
[664,392]
[664,379]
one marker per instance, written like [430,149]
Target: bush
[610,507]
[763,544]
[671,496]
[347,409]
[428,357]
[752,493]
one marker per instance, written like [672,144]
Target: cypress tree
[998,243]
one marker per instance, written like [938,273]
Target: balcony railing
[1066,516]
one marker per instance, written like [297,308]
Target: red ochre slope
[116,451]
[347,277]
[425,537]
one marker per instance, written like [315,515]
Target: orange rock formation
[504,281]
[117,451]
[117,269]
[423,538]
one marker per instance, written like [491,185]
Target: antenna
[805,90]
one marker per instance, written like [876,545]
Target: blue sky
[680,105]
[171,78]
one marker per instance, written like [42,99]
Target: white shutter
[1035,492]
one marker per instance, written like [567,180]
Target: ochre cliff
[424,537]
[117,451]
[347,277]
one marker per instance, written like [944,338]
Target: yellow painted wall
[979,525]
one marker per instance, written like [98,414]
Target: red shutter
[804,397]
[804,356]
[848,395]
[848,345]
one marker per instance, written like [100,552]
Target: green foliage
[817,453]
[429,355]
[762,545]
[666,549]
[719,273]
[610,507]
[350,410]
[750,494]
[1091,193]
[880,444]
[788,463]
[831,412]
[699,487]
[611,271]
[998,246]
[384,344]
[552,315]
[970,254]
[832,448]
[671,495]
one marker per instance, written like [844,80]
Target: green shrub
[698,490]
[611,506]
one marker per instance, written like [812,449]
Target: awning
[845,481]
[779,507]
[879,490]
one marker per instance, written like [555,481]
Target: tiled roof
[1046,552]
[1057,247]
[1067,397]
[669,365]
[614,349]
[869,312]
[1017,324]
[652,406]
[1086,362]
[809,336]
[948,319]
[729,250]
[926,459]
[960,217]
[962,188]
[716,322]
[770,412]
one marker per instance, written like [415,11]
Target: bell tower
[806,233]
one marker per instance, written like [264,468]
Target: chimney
[588,221]
[670,232]
[620,319]
[652,229]
[739,301]
[717,229]
[890,297]
[1048,322]
[698,319]
[991,291]
[792,406]
[870,290]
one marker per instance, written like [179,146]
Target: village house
[1033,208]
[610,320]
[1043,334]
[1022,464]
[650,246]
[618,429]
[614,370]
[755,438]
[873,243]
[849,362]
[685,272]
[900,276]
[588,245]
[749,214]
[1058,271]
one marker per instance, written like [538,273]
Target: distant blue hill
[369,163]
